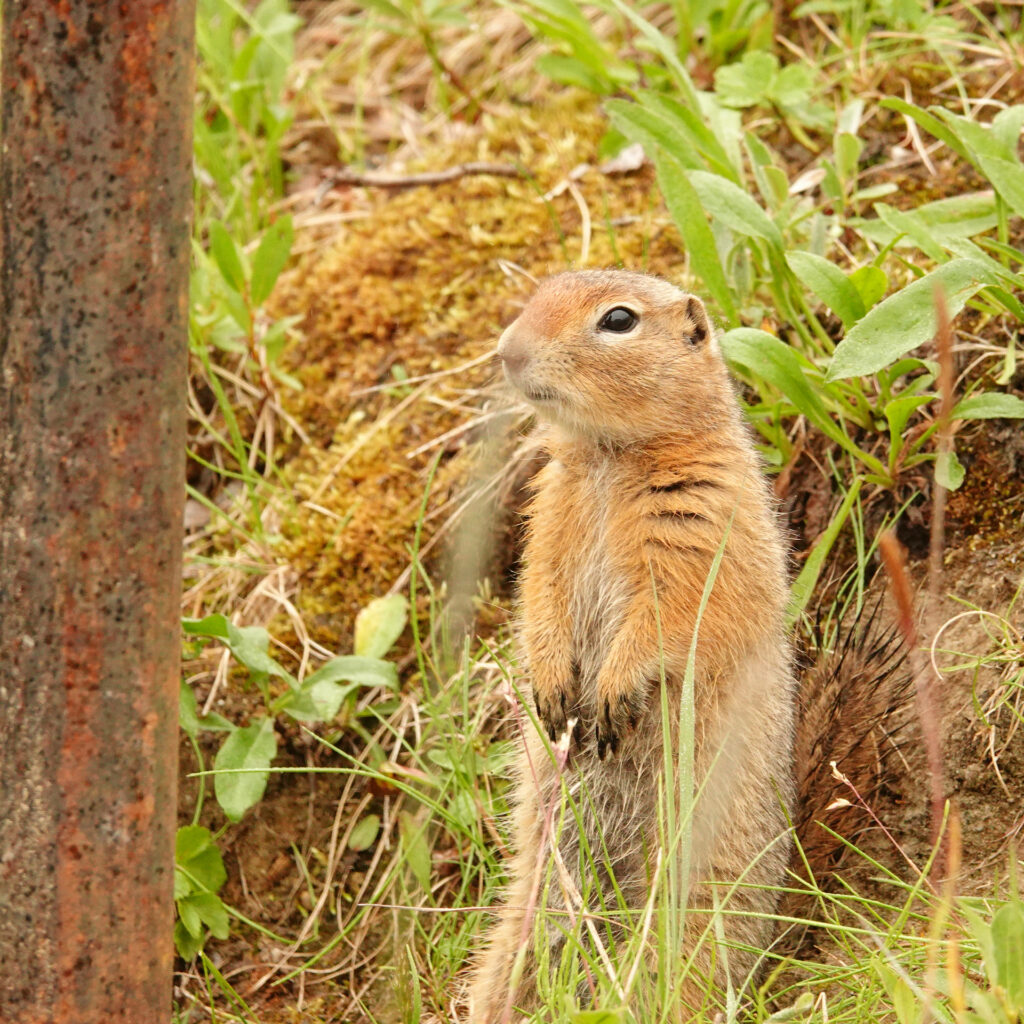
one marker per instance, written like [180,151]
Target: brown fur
[650,468]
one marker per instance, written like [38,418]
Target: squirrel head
[617,357]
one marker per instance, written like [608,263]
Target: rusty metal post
[94,245]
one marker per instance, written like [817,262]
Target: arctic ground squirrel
[652,473]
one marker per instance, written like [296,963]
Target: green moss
[419,284]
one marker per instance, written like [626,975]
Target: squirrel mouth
[540,394]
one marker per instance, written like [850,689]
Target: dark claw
[551,714]
[630,711]
[606,737]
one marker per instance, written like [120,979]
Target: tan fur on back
[650,467]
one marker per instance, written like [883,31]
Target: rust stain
[97,163]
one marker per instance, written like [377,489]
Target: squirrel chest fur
[651,475]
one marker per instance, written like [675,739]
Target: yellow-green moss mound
[423,284]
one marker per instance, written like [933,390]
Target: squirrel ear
[697,328]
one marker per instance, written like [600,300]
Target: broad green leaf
[442,758]
[189,841]
[272,254]
[216,723]
[211,154]
[187,944]
[727,127]
[1007,176]
[978,138]
[981,932]
[564,21]
[909,225]
[749,81]
[829,283]
[356,669]
[693,134]
[992,405]
[847,152]
[900,409]
[182,886]
[831,186]
[190,918]
[207,869]
[247,643]
[319,697]
[930,123]
[652,130]
[225,253]
[199,858]
[779,365]
[959,216]
[799,1010]
[848,122]
[212,625]
[238,310]
[946,220]
[379,625]
[319,702]
[1006,127]
[416,849]
[793,85]
[243,766]
[906,319]
[599,1017]
[870,192]
[463,809]
[871,283]
[188,717]
[734,207]
[964,247]
[499,757]
[906,1004]
[212,912]
[771,182]
[948,470]
[386,8]
[691,221]
[660,44]
[1008,947]
[571,71]
[363,835]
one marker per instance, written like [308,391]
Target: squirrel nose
[513,353]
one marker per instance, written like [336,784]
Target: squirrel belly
[652,478]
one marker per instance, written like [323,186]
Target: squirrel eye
[618,320]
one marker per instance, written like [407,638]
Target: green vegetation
[817,172]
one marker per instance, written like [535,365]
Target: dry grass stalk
[925,681]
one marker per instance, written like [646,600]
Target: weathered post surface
[94,204]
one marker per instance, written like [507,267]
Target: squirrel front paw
[555,712]
[617,713]
[555,703]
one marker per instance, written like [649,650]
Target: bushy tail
[851,703]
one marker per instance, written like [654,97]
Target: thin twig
[381,179]
[845,780]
